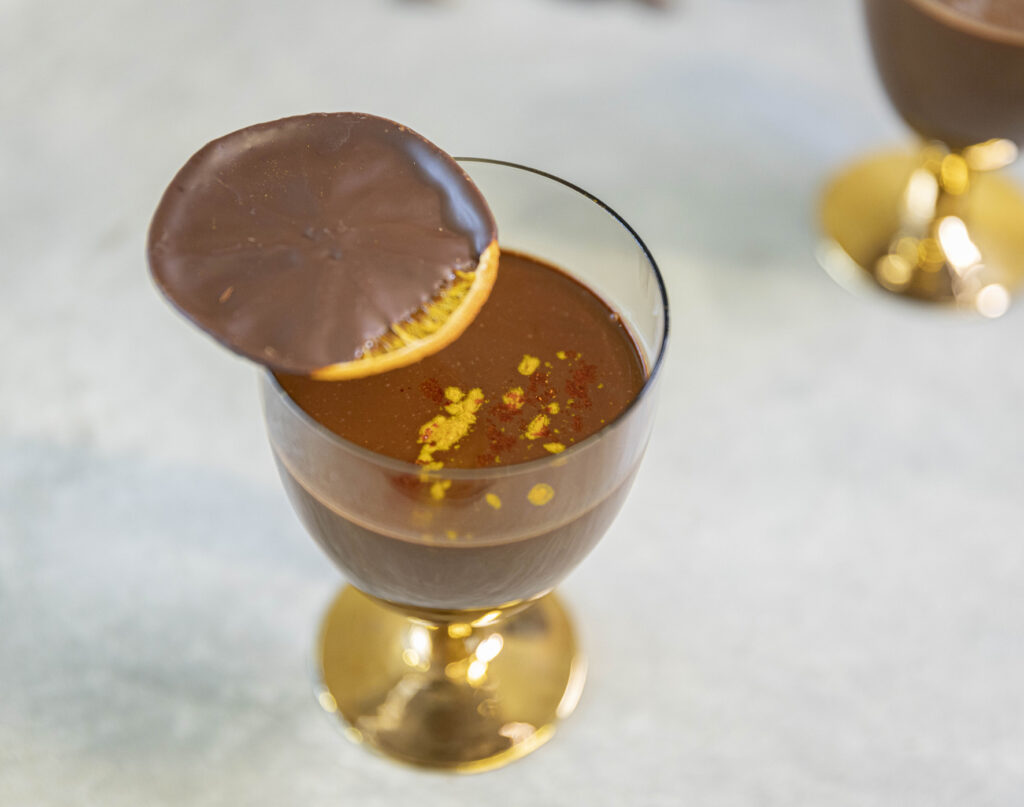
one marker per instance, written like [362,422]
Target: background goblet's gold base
[461,691]
[933,225]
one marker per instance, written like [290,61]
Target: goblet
[938,224]
[448,649]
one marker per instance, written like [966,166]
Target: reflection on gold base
[927,226]
[460,691]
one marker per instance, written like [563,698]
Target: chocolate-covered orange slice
[332,245]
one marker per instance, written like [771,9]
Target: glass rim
[997,33]
[491,472]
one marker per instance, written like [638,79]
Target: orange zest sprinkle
[538,427]
[514,398]
[438,489]
[528,364]
[442,432]
[540,494]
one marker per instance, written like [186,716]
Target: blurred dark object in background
[662,4]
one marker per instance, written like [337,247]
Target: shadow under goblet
[939,224]
[449,649]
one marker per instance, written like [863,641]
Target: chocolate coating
[298,241]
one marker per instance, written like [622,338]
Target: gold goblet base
[962,250]
[461,691]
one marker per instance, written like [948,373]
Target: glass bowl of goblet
[938,223]
[448,648]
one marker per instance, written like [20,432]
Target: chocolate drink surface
[543,366]
[954,69]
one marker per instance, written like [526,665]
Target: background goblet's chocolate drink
[954,69]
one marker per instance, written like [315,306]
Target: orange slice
[332,245]
[434,326]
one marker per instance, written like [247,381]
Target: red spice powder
[433,390]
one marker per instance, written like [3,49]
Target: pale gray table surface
[815,594]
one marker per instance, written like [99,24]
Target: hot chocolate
[954,69]
[544,366]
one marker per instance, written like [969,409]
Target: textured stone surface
[813,595]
